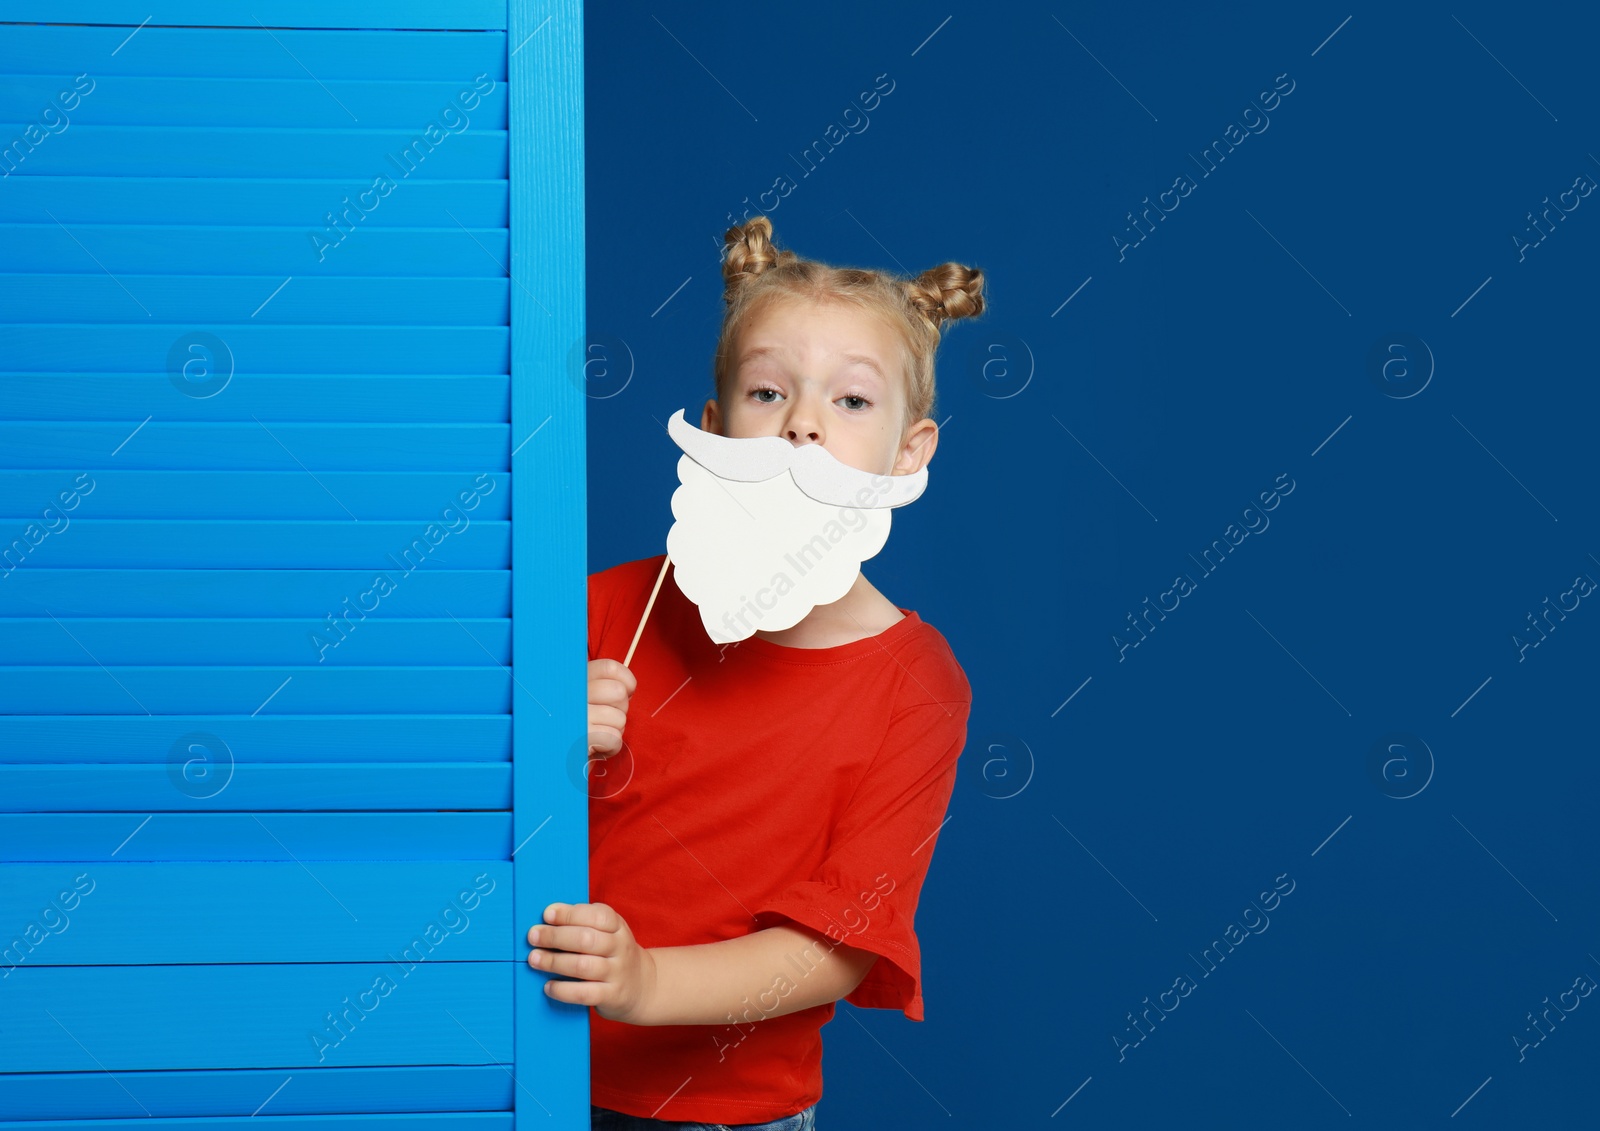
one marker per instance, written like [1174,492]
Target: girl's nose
[804,424]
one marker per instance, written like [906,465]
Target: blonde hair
[756,273]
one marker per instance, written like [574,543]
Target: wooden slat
[242,592]
[457,14]
[147,348]
[354,635]
[458,541]
[257,446]
[308,300]
[226,1016]
[244,1092]
[268,201]
[246,53]
[420,1121]
[220,151]
[549,516]
[291,690]
[114,641]
[55,739]
[369,911]
[307,837]
[366,398]
[206,782]
[239,495]
[140,100]
[440,248]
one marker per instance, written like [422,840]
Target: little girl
[760,846]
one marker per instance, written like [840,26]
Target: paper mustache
[764,531]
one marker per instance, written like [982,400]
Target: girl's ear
[921,439]
[711,417]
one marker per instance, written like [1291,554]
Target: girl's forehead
[821,326]
[789,326]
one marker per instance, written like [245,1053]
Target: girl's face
[822,373]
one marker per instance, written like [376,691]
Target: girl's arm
[766,973]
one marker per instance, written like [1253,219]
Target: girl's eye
[755,394]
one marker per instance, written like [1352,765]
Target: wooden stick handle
[638,632]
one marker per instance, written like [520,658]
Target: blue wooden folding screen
[291,560]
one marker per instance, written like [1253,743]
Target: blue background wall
[1343,707]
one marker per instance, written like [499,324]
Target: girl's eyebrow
[863,359]
[855,358]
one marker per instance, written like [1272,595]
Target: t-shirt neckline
[852,650]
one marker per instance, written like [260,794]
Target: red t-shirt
[763,785]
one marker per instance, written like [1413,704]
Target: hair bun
[747,252]
[947,292]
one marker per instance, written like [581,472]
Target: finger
[604,742]
[610,692]
[588,967]
[613,669]
[575,993]
[575,940]
[601,714]
[601,915]
[625,676]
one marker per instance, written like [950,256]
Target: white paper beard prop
[764,531]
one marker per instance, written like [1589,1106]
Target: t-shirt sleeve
[865,892]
